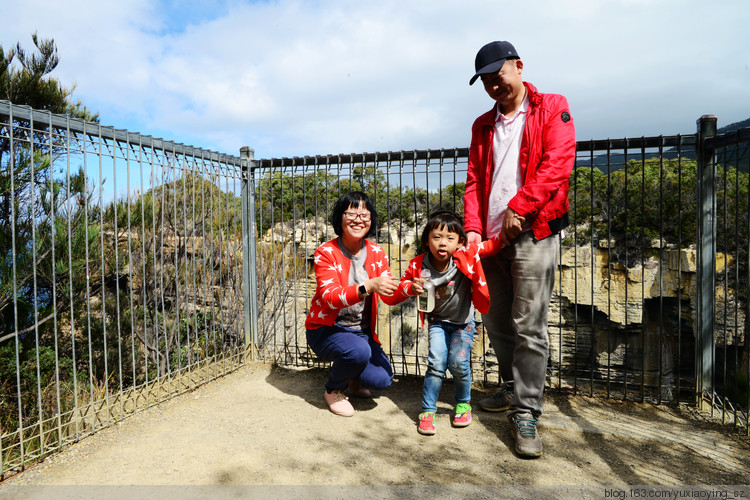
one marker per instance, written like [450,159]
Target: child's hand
[416,286]
[472,237]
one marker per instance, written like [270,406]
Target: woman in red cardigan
[352,274]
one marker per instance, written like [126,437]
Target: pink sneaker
[427,423]
[339,404]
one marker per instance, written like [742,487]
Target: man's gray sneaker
[500,401]
[524,432]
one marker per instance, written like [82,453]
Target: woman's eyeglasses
[352,216]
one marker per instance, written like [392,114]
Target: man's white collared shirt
[506,174]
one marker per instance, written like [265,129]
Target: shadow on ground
[593,440]
[268,425]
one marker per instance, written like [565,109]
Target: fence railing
[120,279]
[134,268]
[646,307]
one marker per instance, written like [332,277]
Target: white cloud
[296,77]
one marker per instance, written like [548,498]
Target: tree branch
[26,330]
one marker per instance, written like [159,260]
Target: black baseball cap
[491,58]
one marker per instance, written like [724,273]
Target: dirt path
[269,426]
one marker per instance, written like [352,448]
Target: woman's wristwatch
[362,290]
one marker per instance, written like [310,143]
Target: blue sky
[294,78]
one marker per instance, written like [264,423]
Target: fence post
[249,239]
[706,260]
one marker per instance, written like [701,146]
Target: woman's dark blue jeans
[355,356]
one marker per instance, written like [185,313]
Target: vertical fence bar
[53,239]
[84,150]
[575,292]
[131,312]
[294,258]
[592,263]
[14,256]
[608,280]
[236,319]
[187,237]
[722,241]
[99,149]
[218,347]
[193,267]
[202,272]
[115,202]
[627,260]
[175,182]
[402,163]
[252,263]
[154,309]
[746,351]
[662,262]
[740,337]
[249,237]
[706,264]
[678,368]
[642,251]
[33,219]
[69,202]
[162,193]
[144,276]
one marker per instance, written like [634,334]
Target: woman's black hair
[442,218]
[353,199]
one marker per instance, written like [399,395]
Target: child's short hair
[443,218]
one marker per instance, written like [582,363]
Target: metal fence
[121,279]
[651,299]
[134,269]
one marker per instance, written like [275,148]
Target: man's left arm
[555,165]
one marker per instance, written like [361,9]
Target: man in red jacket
[522,153]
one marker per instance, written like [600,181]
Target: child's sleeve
[468,259]
[404,286]
[490,247]
[401,293]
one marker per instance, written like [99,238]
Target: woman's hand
[382,285]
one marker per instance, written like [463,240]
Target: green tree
[24,79]
[34,205]
[645,201]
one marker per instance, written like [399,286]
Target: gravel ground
[265,425]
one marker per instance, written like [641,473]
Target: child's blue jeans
[449,349]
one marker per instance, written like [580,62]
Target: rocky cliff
[629,326]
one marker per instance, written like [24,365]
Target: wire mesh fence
[728,393]
[294,198]
[625,313]
[121,278]
[133,269]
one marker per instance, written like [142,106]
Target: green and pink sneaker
[463,415]
[427,423]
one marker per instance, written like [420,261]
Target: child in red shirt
[460,285]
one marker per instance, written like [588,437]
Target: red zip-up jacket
[334,291]
[467,261]
[548,150]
